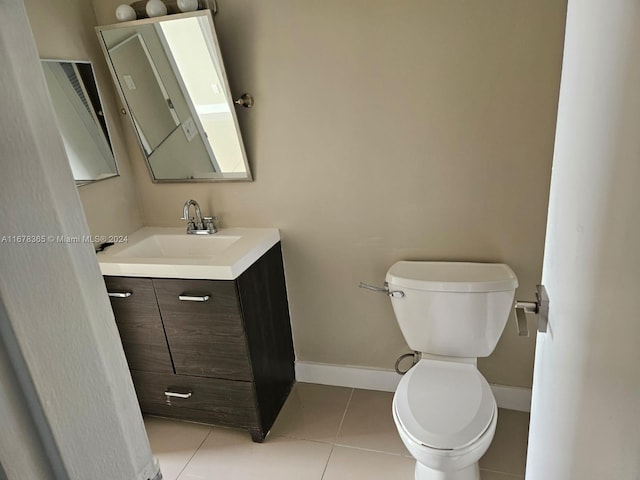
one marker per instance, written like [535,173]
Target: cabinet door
[138,319]
[203,323]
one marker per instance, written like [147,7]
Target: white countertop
[233,251]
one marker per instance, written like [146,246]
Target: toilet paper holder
[540,308]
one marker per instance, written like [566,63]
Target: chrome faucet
[200,225]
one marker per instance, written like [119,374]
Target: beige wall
[385,131]
[64,30]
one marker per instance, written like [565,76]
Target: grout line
[337,443]
[514,475]
[194,453]
[326,465]
[377,451]
[344,414]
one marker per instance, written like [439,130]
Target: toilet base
[423,472]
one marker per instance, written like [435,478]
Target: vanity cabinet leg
[256,435]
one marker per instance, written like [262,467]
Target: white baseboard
[353,377]
[512,398]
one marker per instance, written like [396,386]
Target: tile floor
[322,433]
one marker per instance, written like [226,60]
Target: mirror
[170,76]
[76,102]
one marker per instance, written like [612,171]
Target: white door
[585,417]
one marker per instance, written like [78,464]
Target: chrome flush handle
[385,289]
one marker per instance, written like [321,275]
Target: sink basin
[178,245]
[171,253]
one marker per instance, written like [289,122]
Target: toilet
[452,313]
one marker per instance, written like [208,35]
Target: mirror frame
[81,183]
[225,83]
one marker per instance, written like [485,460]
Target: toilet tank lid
[453,276]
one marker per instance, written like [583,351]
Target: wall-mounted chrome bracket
[246,100]
[540,308]
[385,290]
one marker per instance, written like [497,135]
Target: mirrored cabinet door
[80,118]
[170,75]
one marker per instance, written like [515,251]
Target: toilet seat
[444,405]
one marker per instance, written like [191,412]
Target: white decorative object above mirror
[80,117]
[170,75]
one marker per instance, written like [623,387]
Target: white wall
[585,415]
[58,311]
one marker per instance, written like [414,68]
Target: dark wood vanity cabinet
[211,351]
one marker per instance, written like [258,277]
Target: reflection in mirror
[170,75]
[80,117]
[151,107]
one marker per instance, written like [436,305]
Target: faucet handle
[191,225]
[208,224]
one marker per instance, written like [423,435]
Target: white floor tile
[368,423]
[301,444]
[508,450]
[230,454]
[174,442]
[354,464]
[312,412]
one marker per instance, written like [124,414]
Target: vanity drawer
[222,402]
[208,355]
[134,305]
[204,328]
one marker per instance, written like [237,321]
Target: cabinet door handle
[119,294]
[193,298]
[177,394]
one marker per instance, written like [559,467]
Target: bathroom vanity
[206,334]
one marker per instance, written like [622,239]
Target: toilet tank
[455,309]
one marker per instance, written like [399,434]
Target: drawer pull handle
[194,298]
[178,394]
[120,294]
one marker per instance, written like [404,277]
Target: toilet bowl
[452,313]
[446,416]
